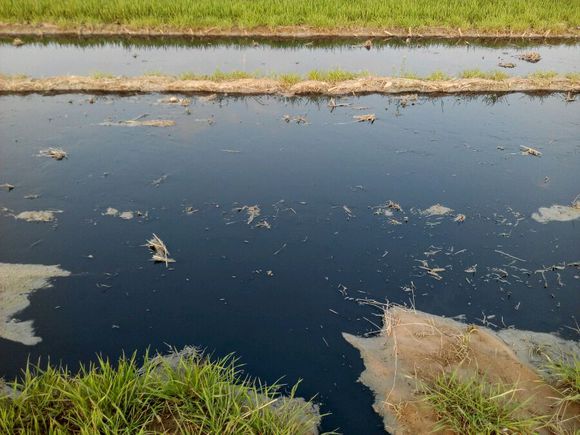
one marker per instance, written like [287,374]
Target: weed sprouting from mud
[476,406]
[486,75]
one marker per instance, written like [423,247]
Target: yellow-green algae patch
[17,282]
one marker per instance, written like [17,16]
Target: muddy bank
[267,86]
[415,347]
[302,32]
[17,281]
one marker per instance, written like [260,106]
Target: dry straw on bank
[334,83]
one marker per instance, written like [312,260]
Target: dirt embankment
[302,32]
[268,86]
[416,347]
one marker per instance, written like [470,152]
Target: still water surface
[49,57]
[462,153]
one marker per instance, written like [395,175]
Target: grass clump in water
[187,395]
[479,74]
[334,75]
[473,406]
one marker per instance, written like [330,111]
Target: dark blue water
[436,151]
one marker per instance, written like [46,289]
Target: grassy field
[489,15]
[191,395]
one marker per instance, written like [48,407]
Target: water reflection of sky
[437,151]
[55,59]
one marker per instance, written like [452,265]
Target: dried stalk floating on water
[370,117]
[298,119]
[530,151]
[136,122]
[333,104]
[174,100]
[54,153]
[160,251]
[253,211]
[7,186]
[531,56]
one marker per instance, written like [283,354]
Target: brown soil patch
[267,86]
[303,32]
[416,346]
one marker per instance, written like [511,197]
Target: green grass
[334,75]
[331,76]
[289,79]
[409,75]
[192,396]
[220,76]
[543,75]
[101,75]
[13,76]
[154,74]
[487,75]
[502,15]
[574,76]
[566,376]
[438,75]
[472,406]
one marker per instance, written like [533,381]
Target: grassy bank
[287,85]
[187,394]
[490,15]
[339,75]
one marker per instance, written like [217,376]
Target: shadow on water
[128,41]
[316,184]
